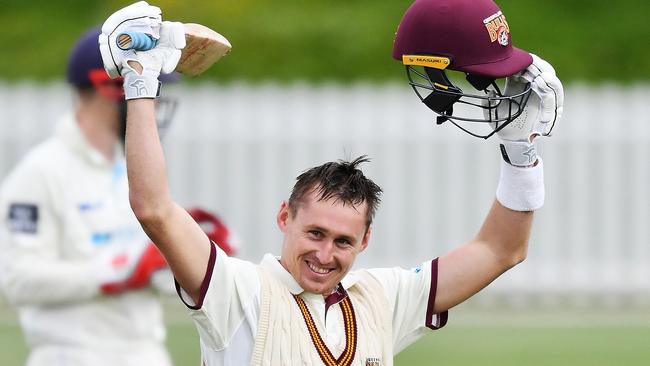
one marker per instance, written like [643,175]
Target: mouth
[317,269]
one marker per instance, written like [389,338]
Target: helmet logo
[497,28]
[502,36]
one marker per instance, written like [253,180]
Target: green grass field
[505,338]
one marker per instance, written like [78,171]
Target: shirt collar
[272,265]
[68,130]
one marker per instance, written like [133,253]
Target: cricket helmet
[468,36]
[216,230]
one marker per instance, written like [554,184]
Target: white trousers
[71,356]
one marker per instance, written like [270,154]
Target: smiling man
[336,204]
[306,307]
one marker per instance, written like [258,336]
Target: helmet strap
[479,82]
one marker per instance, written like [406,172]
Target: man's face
[321,241]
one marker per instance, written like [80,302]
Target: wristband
[518,153]
[521,189]
[138,86]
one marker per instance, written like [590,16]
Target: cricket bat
[203,48]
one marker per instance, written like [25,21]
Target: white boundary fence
[237,149]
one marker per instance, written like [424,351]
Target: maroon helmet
[469,36]
[215,229]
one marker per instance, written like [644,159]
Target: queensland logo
[373,361]
[497,28]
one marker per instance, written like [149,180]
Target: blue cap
[85,56]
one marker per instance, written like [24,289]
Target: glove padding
[138,17]
[543,109]
[164,57]
[140,271]
[144,18]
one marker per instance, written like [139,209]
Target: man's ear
[283,216]
[366,239]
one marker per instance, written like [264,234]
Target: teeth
[317,269]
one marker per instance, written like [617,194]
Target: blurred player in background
[306,307]
[73,258]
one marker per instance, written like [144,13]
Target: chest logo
[373,361]
[23,218]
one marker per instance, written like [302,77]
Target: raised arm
[181,240]
[502,241]
[170,227]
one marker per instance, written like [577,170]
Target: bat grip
[135,41]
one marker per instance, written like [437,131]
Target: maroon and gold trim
[206,280]
[440,319]
[350,324]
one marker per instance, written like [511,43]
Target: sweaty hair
[341,180]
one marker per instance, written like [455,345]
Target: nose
[325,253]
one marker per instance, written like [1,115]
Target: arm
[500,244]
[503,239]
[31,268]
[46,250]
[180,239]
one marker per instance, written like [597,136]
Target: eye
[343,242]
[315,234]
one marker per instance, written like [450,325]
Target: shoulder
[397,279]
[38,177]
[232,275]
[31,168]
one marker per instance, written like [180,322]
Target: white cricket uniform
[62,207]
[227,315]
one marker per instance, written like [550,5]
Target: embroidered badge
[497,28]
[373,361]
[350,324]
[23,218]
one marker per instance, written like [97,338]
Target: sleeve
[31,268]
[229,291]
[411,294]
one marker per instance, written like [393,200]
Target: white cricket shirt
[63,206]
[227,312]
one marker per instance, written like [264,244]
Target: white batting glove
[164,57]
[138,17]
[543,110]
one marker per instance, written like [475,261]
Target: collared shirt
[228,307]
[64,208]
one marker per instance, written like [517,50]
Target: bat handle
[135,41]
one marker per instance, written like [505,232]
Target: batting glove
[143,18]
[543,109]
[139,17]
[164,57]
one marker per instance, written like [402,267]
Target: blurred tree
[285,40]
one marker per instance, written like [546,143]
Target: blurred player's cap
[84,59]
[85,66]
[474,34]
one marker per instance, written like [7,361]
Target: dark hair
[341,180]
